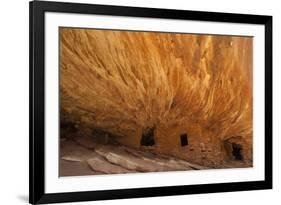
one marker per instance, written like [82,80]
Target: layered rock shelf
[79,157]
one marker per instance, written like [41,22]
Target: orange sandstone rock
[198,86]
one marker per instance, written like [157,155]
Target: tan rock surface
[101,165]
[112,159]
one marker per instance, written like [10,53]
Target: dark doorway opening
[147,138]
[184,140]
[237,151]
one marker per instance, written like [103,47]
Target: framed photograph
[140,102]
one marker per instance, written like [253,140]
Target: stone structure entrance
[234,148]
[147,138]
[237,150]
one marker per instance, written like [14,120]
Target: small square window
[184,140]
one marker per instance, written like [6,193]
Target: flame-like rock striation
[121,81]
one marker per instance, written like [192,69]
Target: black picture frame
[37,9]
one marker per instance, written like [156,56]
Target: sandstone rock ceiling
[121,80]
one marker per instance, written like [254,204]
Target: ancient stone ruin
[184,96]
